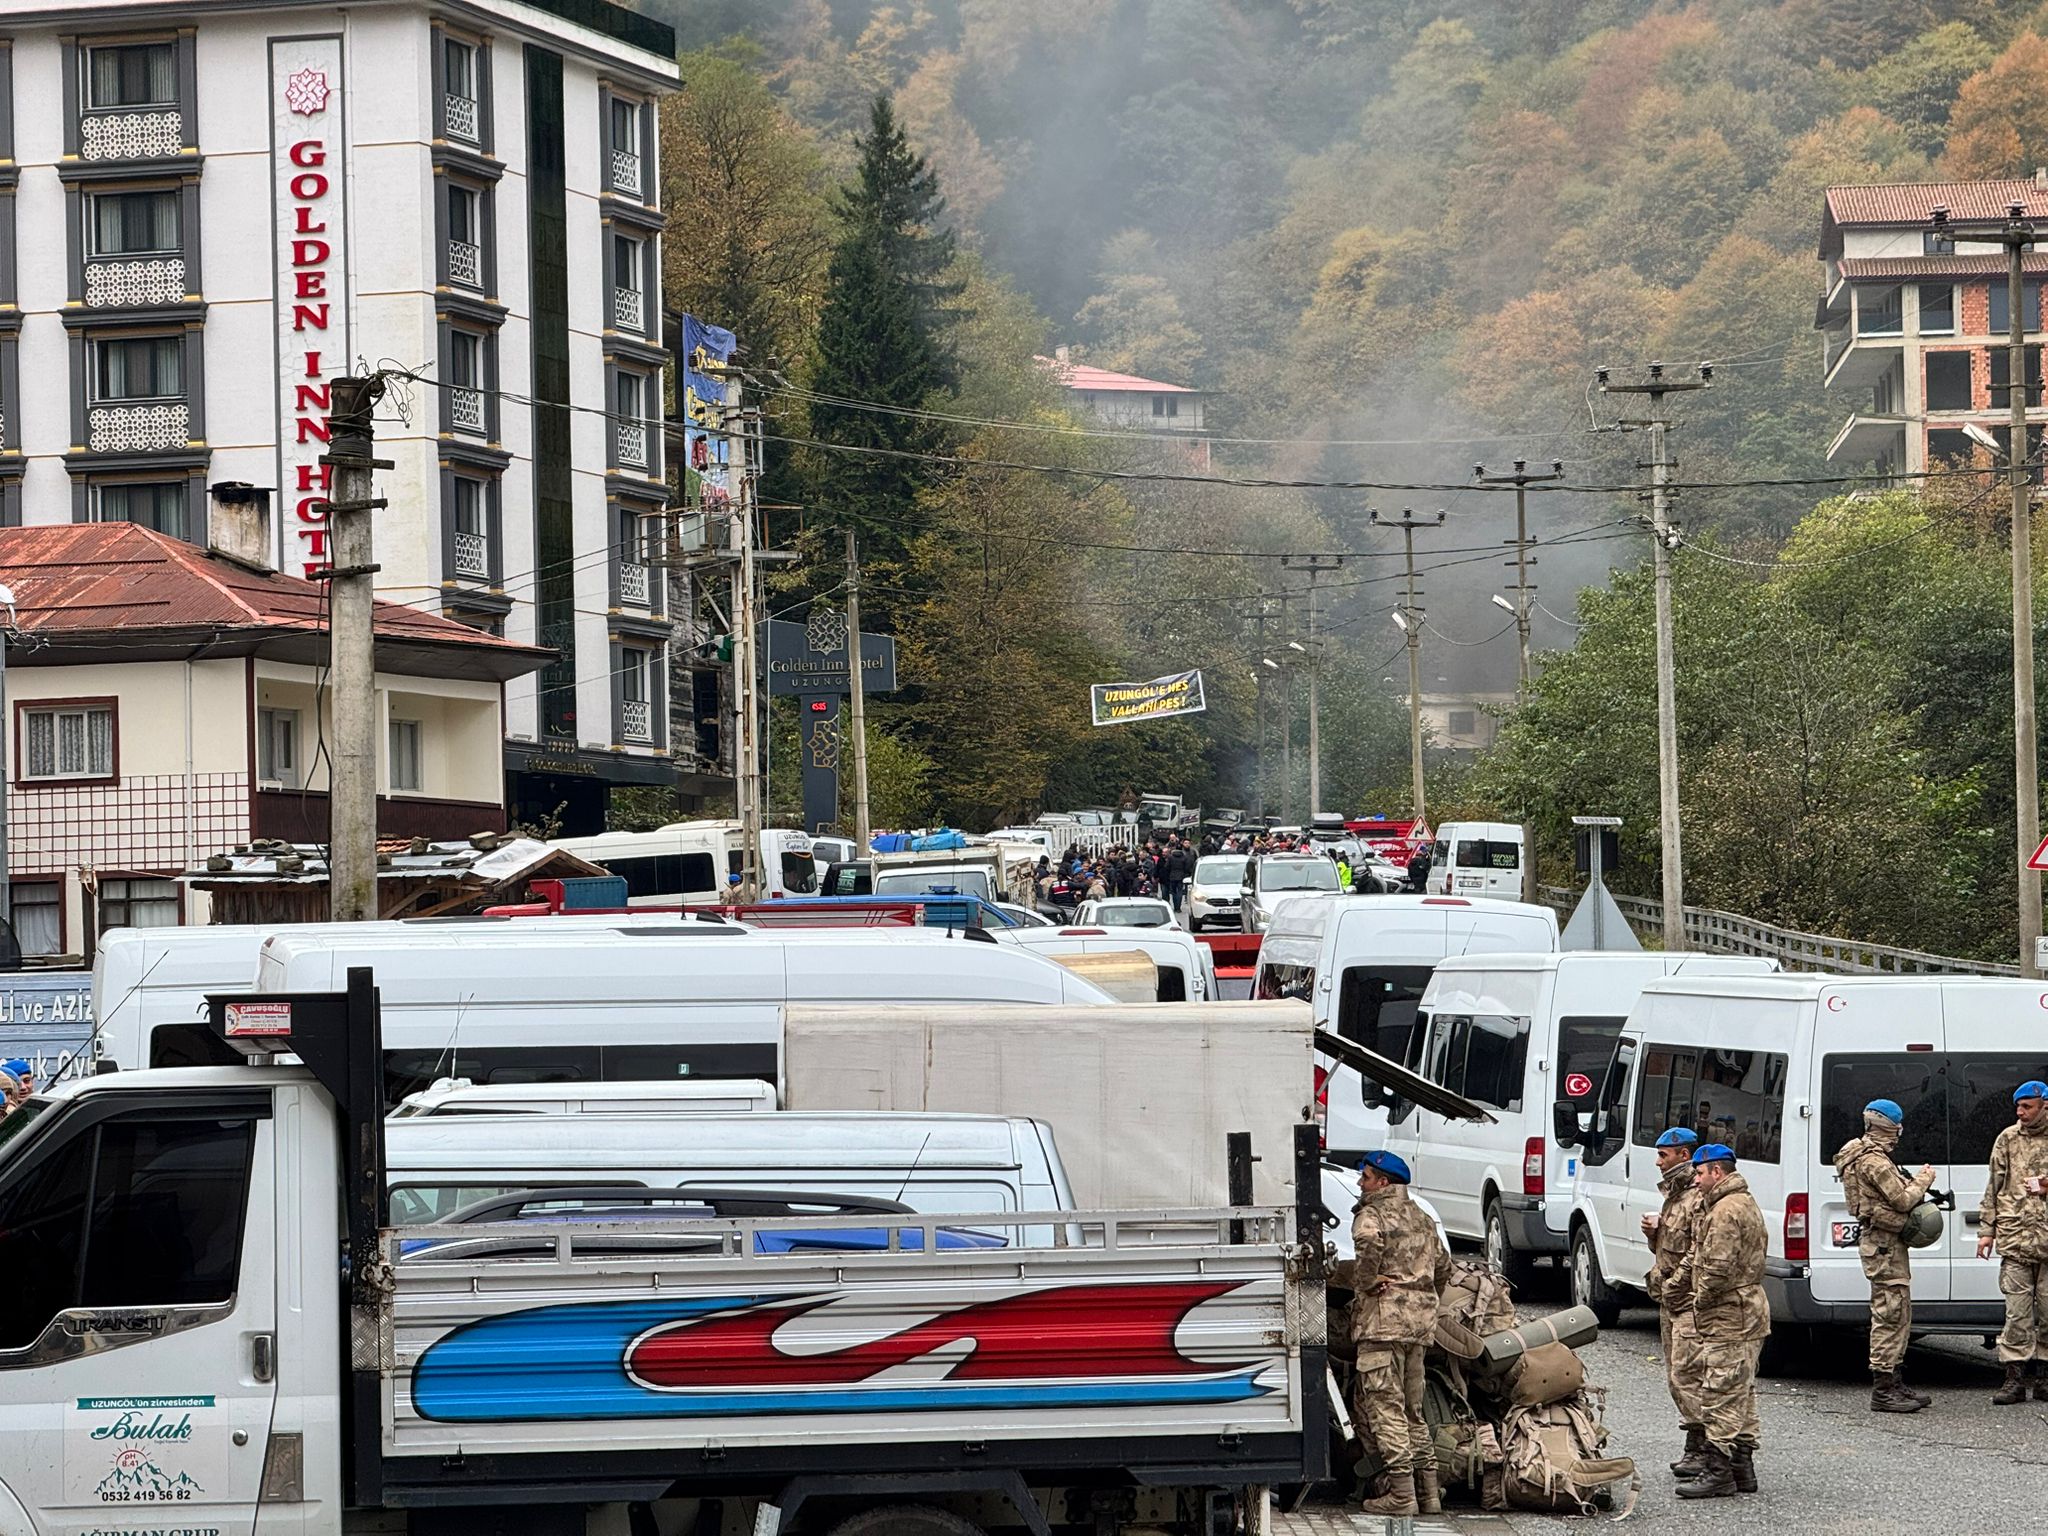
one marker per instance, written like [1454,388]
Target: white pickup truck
[213,1327]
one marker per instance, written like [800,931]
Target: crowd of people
[1162,867]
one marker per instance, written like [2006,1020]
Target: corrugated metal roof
[78,579]
[1103,380]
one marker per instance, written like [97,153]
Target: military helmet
[1923,1225]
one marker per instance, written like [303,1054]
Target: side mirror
[1564,1123]
[1374,1095]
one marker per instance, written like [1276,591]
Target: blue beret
[1387,1163]
[18,1066]
[2033,1090]
[1889,1108]
[1678,1136]
[1714,1152]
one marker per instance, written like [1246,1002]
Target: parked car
[1124,912]
[1216,891]
[1270,880]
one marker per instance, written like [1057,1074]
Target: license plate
[1845,1234]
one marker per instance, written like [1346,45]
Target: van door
[1984,1027]
[137,1357]
[1603,1187]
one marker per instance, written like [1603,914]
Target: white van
[1187,967]
[1528,1037]
[934,1163]
[1477,858]
[459,1096]
[1779,1068]
[1363,962]
[688,862]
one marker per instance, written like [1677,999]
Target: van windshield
[1298,875]
[1956,1103]
[935,882]
[799,873]
[1473,853]
[1376,1006]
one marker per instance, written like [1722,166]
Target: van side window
[1955,1104]
[1376,1006]
[1733,1097]
[1285,981]
[664,874]
[1585,1045]
[1481,1056]
[1477,853]
[1173,984]
[408,1072]
[138,1211]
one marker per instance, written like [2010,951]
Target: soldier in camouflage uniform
[1880,1198]
[2014,1222]
[1670,1237]
[1726,1269]
[1400,1270]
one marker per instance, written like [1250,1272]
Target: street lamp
[1401,619]
[1503,603]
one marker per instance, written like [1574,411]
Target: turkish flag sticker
[1578,1085]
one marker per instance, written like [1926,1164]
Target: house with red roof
[166,702]
[1915,320]
[1133,404]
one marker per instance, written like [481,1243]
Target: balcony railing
[460,113]
[164,425]
[465,264]
[465,408]
[472,556]
[637,720]
[125,134]
[119,282]
[627,311]
[626,172]
[633,583]
[632,443]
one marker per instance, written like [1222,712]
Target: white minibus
[690,862]
[1476,858]
[1779,1068]
[1186,967]
[1362,962]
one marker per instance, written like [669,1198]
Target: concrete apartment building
[207,212]
[1915,325]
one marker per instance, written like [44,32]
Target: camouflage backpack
[1467,1453]
[1552,1459]
[1476,1303]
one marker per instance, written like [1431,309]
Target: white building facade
[209,212]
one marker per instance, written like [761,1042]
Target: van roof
[1312,914]
[1502,829]
[1805,986]
[1577,959]
[623,931]
[815,1138]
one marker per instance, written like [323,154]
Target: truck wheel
[1589,1287]
[1509,1264]
[906,1520]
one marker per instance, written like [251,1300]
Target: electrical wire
[1449,640]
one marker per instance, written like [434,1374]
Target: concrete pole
[1411,625]
[2025,761]
[744,658]
[352,671]
[1667,700]
[859,697]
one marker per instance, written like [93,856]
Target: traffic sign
[2040,858]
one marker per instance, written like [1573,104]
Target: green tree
[1916,85]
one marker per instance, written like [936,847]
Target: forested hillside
[1394,238]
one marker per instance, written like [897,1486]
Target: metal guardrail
[1730,933]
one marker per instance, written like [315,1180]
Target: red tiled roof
[1877,268]
[1912,203]
[78,579]
[1102,380]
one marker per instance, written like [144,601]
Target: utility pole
[859,692]
[1315,565]
[1410,620]
[746,741]
[1521,480]
[1665,538]
[2017,235]
[351,661]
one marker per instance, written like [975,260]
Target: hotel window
[131,75]
[139,368]
[158,504]
[134,223]
[277,747]
[625,147]
[405,756]
[629,310]
[636,694]
[629,423]
[472,530]
[466,381]
[459,89]
[138,904]
[68,742]
[465,236]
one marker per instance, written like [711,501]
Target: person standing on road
[1733,1318]
[1880,1198]
[1400,1271]
[1669,1232]
[2013,1222]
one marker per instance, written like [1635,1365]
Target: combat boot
[1912,1391]
[2041,1381]
[1429,1494]
[1717,1482]
[2015,1388]
[1395,1496]
[1694,1461]
[1744,1462]
[1886,1396]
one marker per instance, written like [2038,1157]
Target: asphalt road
[1828,1466]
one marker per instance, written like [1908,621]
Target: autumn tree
[1999,126]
